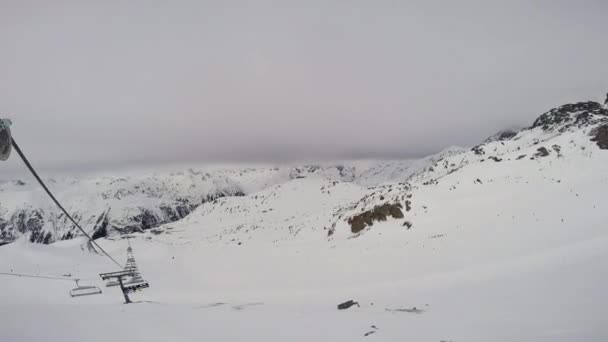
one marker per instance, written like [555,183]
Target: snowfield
[503,242]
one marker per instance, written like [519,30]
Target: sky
[103,84]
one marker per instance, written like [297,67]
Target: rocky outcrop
[44,227]
[573,114]
[600,136]
[339,172]
[379,213]
[541,152]
[578,115]
[101,227]
[503,136]
[117,206]
[26,221]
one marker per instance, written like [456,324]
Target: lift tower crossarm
[126,289]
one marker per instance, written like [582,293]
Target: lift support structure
[126,288]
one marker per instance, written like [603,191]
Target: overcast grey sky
[101,83]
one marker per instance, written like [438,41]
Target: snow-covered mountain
[290,199]
[505,241]
[109,205]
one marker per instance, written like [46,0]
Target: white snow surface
[509,250]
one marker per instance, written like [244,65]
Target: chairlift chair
[112,283]
[80,290]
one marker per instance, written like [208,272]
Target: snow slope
[505,242]
[110,205]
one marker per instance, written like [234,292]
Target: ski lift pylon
[120,276]
[80,290]
[131,266]
[129,279]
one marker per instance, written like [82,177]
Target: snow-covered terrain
[506,241]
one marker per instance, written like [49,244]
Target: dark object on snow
[478,150]
[412,310]
[372,331]
[496,159]
[606,100]
[347,305]
[379,213]
[541,152]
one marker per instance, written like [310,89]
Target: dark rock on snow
[600,136]
[379,213]
[347,304]
[541,152]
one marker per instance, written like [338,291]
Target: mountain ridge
[111,206]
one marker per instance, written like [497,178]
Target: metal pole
[124,291]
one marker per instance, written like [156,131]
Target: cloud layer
[89,84]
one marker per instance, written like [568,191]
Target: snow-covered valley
[505,241]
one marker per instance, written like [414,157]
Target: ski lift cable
[35,276]
[78,291]
[23,275]
[35,174]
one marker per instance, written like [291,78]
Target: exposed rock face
[378,213]
[101,227]
[577,114]
[108,206]
[45,227]
[343,173]
[541,152]
[503,136]
[600,136]
[478,150]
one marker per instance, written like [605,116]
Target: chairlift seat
[84,290]
[112,283]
